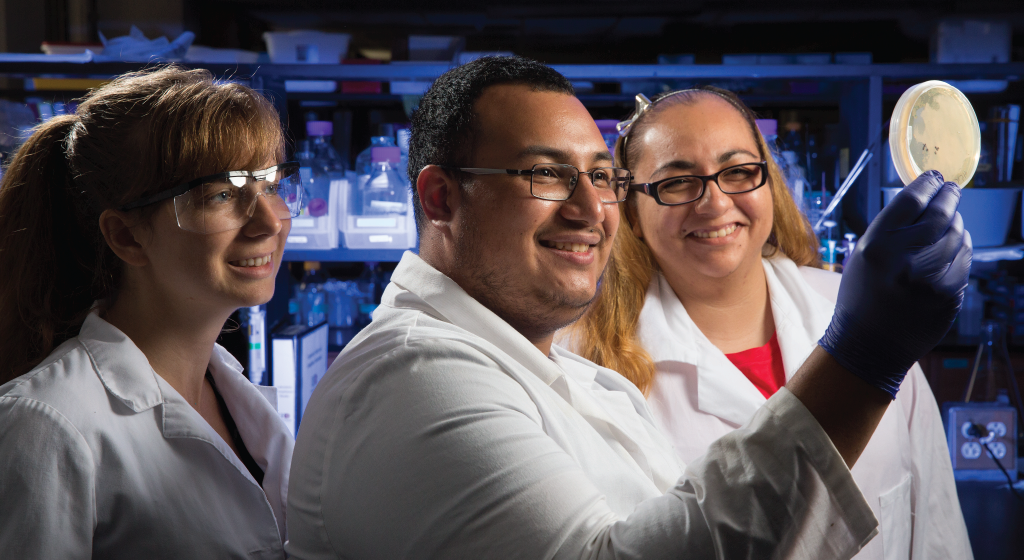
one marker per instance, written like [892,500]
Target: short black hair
[442,124]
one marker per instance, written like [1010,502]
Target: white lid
[934,127]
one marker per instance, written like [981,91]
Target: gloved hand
[903,285]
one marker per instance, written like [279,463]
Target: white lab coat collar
[607,401]
[669,334]
[127,375]
[122,368]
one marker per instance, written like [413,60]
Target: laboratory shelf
[859,91]
[346,255]
[592,72]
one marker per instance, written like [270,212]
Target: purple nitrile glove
[903,285]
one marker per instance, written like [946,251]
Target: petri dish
[934,127]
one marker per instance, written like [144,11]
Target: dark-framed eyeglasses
[226,201]
[684,189]
[557,181]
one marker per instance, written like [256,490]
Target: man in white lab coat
[451,427]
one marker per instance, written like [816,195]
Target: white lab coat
[100,457]
[699,396]
[441,432]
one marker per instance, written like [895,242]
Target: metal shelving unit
[857,91]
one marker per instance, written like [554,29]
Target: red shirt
[762,366]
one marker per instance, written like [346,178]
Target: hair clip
[642,104]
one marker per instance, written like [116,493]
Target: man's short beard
[501,294]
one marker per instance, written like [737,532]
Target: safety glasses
[226,201]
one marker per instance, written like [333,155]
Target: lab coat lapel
[669,334]
[801,314]
[127,375]
[446,299]
[122,368]
[619,410]
[266,436]
[416,284]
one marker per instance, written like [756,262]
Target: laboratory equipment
[306,47]
[342,311]
[1006,119]
[829,249]
[379,213]
[769,129]
[255,320]
[311,295]
[971,312]
[384,192]
[934,127]
[323,177]
[817,208]
[322,163]
[851,244]
[862,162]
[364,161]
[404,135]
[795,178]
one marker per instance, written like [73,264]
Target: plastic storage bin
[306,47]
[986,212]
[379,212]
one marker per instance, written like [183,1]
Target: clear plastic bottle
[404,135]
[322,163]
[795,178]
[364,161]
[384,191]
[314,298]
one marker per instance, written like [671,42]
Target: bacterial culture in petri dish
[937,138]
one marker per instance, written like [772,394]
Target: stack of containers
[323,178]
[379,213]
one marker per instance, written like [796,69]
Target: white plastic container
[934,127]
[306,47]
[379,212]
[199,53]
[321,232]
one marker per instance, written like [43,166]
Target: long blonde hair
[143,133]
[607,333]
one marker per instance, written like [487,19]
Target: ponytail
[45,292]
[141,134]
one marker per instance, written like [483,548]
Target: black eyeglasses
[557,181]
[735,179]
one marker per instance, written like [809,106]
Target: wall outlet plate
[971,459]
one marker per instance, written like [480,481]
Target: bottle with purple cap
[324,165]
